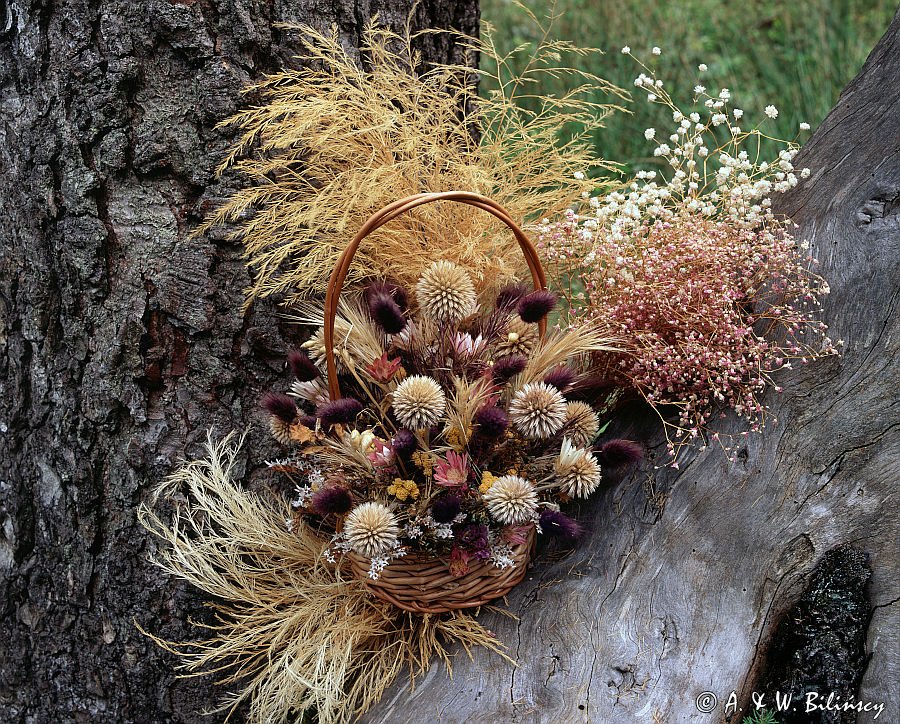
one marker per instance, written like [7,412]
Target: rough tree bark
[686,574]
[121,340]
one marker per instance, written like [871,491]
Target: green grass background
[797,55]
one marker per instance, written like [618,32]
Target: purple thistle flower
[339,412]
[302,367]
[446,508]
[619,454]
[335,500]
[535,306]
[507,367]
[308,421]
[394,291]
[279,405]
[510,294]
[492,422]
[386,312]
[558,525]
[560,377]
[404,443]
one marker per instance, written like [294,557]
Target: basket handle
[379,219]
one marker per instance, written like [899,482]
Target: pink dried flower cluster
[710,308]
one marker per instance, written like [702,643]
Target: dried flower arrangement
[434,426]
[457,441]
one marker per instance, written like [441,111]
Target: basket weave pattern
[423,584]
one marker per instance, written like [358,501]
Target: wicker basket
[418,582]
[424,584]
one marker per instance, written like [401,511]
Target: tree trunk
[685,574]
[122,340]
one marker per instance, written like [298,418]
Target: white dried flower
[577,470]
[804,126]
[538,410]
[626,50]
[313,391]
[649,133]
[445,292]
[771,111]
[582,422]
[371,530]
[702,67]
[511,500]
[419,402]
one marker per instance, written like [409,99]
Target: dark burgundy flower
[404,443]
[559,525]
[394,291]
[535,306]
[510,294]
[446,508]
[386,312]
[492,422]
[474,538]
[619,454]
[302,367]
[508,366]
[279,405]
[339,412]
[560,377]
[332,500]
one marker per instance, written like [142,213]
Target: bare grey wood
[685,573]
[121,340]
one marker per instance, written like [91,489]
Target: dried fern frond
[292,634]
[332,142]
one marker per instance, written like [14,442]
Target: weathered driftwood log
[122,340]
[685,575]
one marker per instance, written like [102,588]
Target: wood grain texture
[685,573]
[121,339]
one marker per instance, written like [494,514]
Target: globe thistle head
[280,430]
[492,422]
[577,470]
[302,367]
[371,529]
[419,402]
[280,406]
[582,422]
[333,500]
[559,525]
[511,500]
[507,367]
[445,292]
[535,306]
[538,410]
[520,339]
[561,377]
[339,412]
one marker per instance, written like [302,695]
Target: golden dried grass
[332,142]
[293,634]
